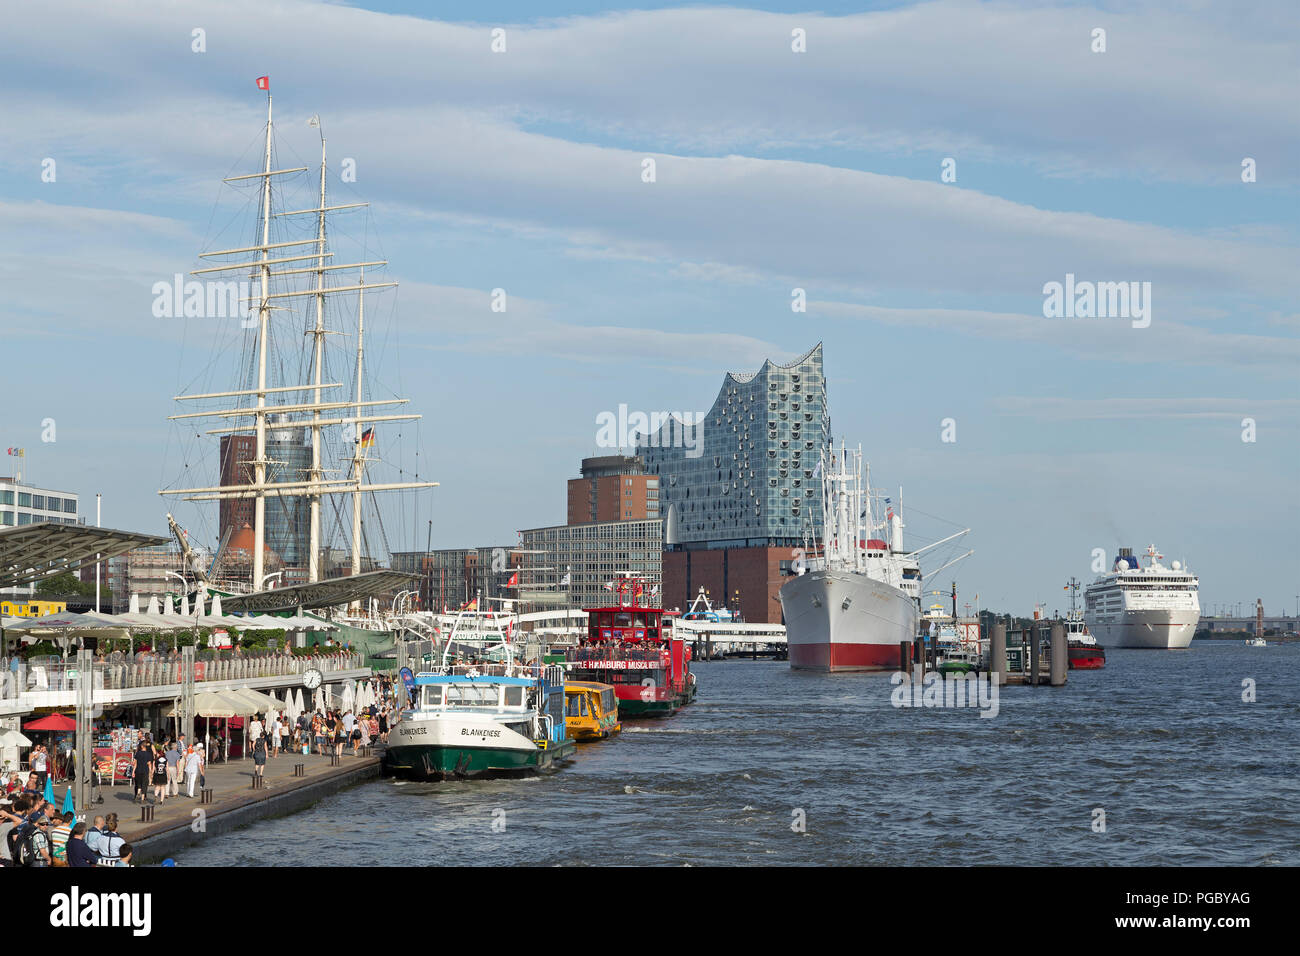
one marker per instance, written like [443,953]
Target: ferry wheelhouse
[632,647]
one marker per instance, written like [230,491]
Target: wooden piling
[1060,654]
[1034,654]
[905,657]
[998,652]
[920,658]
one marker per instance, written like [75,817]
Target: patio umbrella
[57,722]
[49,788]
[69,805]
[12,738]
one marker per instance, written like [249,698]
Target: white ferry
[1151,607]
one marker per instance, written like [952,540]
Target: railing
[110,675]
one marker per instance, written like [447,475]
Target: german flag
[368,437]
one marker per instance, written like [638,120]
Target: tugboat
[632,647]
[481,719]
[1084,651]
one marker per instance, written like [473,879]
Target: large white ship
[1133,606]
[851,607]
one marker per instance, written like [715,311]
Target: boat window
[605,619]
[433,695]
[514,696]
[622,619]
[472,695]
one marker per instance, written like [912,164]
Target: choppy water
[1185,771]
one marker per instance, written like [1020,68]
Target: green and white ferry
[481,719]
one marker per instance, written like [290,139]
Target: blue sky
[775,170]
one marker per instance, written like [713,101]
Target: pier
[232,801]
[713,639]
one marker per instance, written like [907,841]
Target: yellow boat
[590,710]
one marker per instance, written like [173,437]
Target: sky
[920,171]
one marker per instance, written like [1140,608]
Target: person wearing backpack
[32,846]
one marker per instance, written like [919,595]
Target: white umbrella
[349,696]
[185,604]
[13,738]
[216,605]
[153,605]
[298,706]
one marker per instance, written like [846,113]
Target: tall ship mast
[286,273]
[851,606]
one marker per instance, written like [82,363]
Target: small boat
[590,710]
[1256,641]
[1083,653]
[959,661]
[481,718]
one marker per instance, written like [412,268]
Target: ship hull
[824,635]
[454,746]
[1152,630]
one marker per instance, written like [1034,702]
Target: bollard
[1034,653]
[205,796]
[1060,655]
[904,658]
[146,814]
[299,770]
[998,652]
[334,760]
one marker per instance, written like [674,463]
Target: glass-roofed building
[739,492]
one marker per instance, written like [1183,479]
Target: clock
[311,678]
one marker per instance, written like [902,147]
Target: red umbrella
[52,722]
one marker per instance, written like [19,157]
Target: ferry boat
[1084,653]
[1151,607]
[632,647]
[481,719]
[702,609]
[590,710]
[852,606]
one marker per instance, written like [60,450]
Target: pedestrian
[255,729]
[339,735]
[60,830]
[318,730]
[160,776]
[259,756]
[173,769]
[193,767]
[277,731]
[40,763]
[110,843]
[79,854]
[383,725]
[93,836]
[143,767]
[126,851]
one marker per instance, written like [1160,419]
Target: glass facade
[592,555]
[35,506]
[749,479]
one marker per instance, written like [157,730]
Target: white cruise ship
[1133,606]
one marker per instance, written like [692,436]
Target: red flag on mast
[264,83]
[514,580]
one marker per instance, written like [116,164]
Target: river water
[773,766]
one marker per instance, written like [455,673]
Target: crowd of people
[34,832]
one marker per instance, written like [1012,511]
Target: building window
[6,517]
[24,499]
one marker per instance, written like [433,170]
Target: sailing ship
[277,470]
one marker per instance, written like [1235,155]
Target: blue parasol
[69,805]
[49,788]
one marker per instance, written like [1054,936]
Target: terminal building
[742,492]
